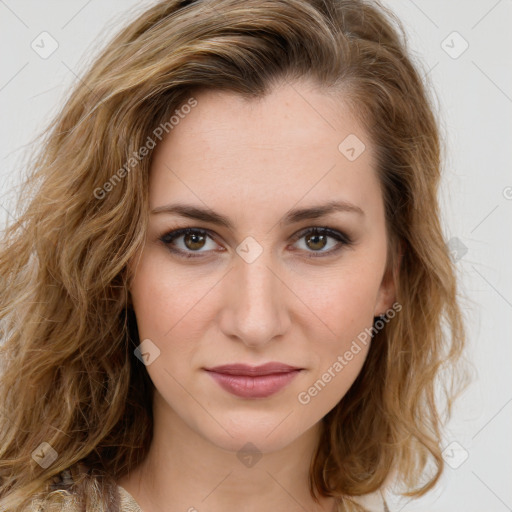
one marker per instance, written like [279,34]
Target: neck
[190,472]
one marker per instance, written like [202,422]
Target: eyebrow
[292,216]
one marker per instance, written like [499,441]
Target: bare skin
[252,161]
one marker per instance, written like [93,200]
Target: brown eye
[315,241]
[194,241]
[187,241]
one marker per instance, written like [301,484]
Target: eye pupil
[316,238]
[194,237]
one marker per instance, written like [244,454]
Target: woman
[230,287]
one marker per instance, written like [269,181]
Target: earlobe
[387,294]
[387,291]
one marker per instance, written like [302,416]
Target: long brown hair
[69,375]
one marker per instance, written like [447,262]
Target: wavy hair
[69,375]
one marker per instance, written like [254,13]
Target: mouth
[247,381]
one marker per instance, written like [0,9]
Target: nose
[254,306]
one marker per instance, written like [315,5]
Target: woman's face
[260,286]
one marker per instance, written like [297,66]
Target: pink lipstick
[253,381]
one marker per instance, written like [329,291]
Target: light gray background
[474,96]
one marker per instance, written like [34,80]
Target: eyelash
[342,238]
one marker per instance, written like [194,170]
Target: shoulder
[55,502]
[60,499]
[128,503]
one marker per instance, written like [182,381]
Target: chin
[251,440]
[268,434]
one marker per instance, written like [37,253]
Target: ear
[386,295]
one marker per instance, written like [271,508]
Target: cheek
[174,310]
[342,300]
[339,344]
[166,297]
[340,335]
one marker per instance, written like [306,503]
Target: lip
[253,381]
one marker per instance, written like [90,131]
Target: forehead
[292,116]
[293,142]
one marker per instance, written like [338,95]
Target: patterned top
[128,504]
[373,502]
